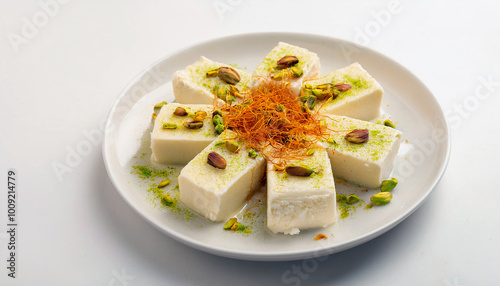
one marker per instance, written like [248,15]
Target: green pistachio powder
[254,217]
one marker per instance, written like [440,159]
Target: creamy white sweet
[296,203]
[308,63]
[362,101]
[192,85]
[366,164]
[217,194]
[180,145]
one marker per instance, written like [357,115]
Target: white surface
[406,99]
[77,230]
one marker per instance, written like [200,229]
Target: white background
[60,79]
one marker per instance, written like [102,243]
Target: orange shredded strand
[272,120]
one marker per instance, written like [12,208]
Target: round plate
[419,164]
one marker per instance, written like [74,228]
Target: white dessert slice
[217,194]
[308,63]
[296,203]
[192,85]
[366,164]
[180,145]
[362,101]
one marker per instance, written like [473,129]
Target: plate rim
[270,256]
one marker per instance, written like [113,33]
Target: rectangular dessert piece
[366,164]
[295,203]
[362,101]
[308,65]
[192,85]
[180,145]
[216,193]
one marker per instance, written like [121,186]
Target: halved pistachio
[229,75]
[193,124]
[217,119]
[180,111]
[307,86]
[389,123]
[166,200]
[216,160]
[304,98]
[164,183]
[160,104]
[230,98]
[311,102]
[216,112]
[388,185]
[219,128]
[357,136]
[343,86]
[233,146]
[299,171]
[234,91]
[381,198]
[169,126]
[199,116]
[310,152]
[213,73]
[324,86]
[278,76]
[317,92]
[252,153]
[296,72]
[230,223]
[287,61]
[352,199]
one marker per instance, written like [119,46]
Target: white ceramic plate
[418,166]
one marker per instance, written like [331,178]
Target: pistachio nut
[169,126]
[219,128]
[252,153]
[382,198]
[230,223]
[217,112]
[166,200]
[296,72]
[229,75]
[217,119]
[325,86]
[278,76]
[160,104]
[389,123]
[199,116]
[352,199]
[287,61]
[216,160]
[343,86]
[235,92]
[213,73]
[299,171]
[232,146]
[357,136]
[311,102]
[388,185]
[180,111]
[193,124]
[164,183]
[307,86]
[310,152]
